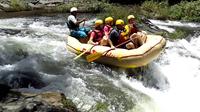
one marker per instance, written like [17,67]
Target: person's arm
[91,39]
[75,21]
[110,43]
[80,21]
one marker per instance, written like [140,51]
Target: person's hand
[85,19]
[96,43]
[112,47]
[105,38]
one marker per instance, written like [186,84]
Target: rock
[10,31]
[5,7]
[34,1]
[21,79]
[51,1]
[36,6]
[43,102]
[4,89]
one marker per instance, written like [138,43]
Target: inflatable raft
[152,46]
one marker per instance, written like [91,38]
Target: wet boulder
[4,89]
[5,6]
[10,31]
[19,79]
[42,102]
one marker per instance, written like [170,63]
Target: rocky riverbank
[16,8]
[16,101]
[22,5]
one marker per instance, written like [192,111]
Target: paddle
[95,56]
[83,53]
[80,55]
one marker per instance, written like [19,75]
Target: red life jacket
[121,39]
[98,35]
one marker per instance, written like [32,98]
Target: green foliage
[83,6]
[64,7]
[69,104]
[159,10]
[178,34]
[101,107]
[18,5]
[182,11]
[119,11]
[186,11]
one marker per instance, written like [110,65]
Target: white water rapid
[180,64]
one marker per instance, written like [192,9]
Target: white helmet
[73,9]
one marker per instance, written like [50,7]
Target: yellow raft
[152,46]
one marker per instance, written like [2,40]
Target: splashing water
[180,64]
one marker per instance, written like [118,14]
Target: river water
[33,57]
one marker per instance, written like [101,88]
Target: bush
[158,10]
[18,5]
[186,11]
[119,11]
[178,34]
[83,6]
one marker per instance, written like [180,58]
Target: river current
[33,57]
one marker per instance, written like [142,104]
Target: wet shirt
[71,22]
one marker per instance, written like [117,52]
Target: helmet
[131,17]
[119,22]
[73,9]
[108,19]
[98,22]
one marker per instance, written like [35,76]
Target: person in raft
[107,29]
[97,35]
[133,32]
[116,34]
[73,24]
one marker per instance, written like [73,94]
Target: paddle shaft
[80,55]
[123,43]
[83,53]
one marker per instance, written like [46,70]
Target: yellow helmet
[108,19]
[119,22]
[131,17]
[98,22]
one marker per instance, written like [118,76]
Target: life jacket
[72,26]
[98,35]
[109,28]
[121,38]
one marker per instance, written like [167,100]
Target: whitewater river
[33,58]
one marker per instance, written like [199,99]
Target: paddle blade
[93,57]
